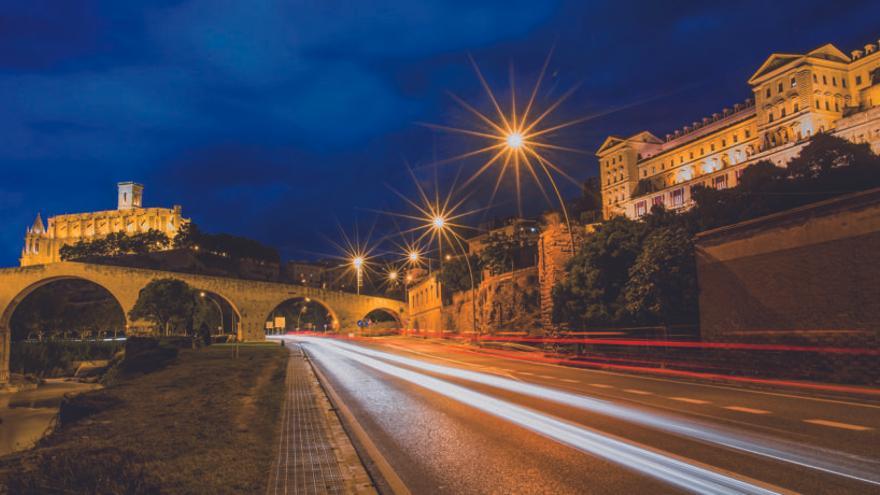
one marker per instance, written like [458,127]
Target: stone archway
[313,306]
[14,299]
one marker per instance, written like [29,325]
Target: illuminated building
[43,242]
[794,97]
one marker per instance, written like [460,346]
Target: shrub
[53,358]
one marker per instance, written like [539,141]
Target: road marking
[637,391]
[566,380]
[835,424]
[746,410]
[600,385]
[689,400]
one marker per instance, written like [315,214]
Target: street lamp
[358,263]
[204,295]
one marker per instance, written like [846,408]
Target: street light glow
[413,256]
[439,222]
[392,275]
[514,140]
[358,262]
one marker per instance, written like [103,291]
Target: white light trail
[829,461]
[654,464]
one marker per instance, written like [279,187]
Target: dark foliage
[145,355]
[53,358]
[455,276]
[117,244]
[189,236]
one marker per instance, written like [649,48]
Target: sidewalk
[313,455]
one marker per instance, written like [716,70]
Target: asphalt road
[452,421]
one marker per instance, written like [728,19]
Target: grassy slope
[206,424]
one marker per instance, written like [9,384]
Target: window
[735,138]
[767,92]
[817,103]
[824,80]
[644,173]
[702,152]
[641,209]
[779,88]
[793,82]
[836,106]
[858,80]
[797,107]
[834,81]
[720,182]
[782,114]
[748,133]
[712,147]
[770,117]
[843,82]
[657,200]
[827,106]
[691,155]
[815,79]
[723,143]
[677,197]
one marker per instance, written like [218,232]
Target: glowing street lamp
[438,222]
[514,140]
[358,263]
[413,257]
[392,276]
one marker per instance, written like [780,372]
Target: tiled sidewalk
[307,461]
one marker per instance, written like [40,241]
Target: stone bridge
[253,301]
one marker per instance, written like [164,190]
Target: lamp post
[204,295]
[358,263]
[441,226]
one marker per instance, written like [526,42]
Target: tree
[503,253]
[455,275]
[662,286]
[826,153]
[117,244]
[588,207]
[167,303]
[593,292]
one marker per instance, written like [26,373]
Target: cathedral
[793,97]
[43,242]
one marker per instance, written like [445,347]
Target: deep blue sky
[274,119]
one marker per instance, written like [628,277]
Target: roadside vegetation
[643,272]
[205,423]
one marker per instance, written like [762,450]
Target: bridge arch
[303,305]
[229,314]
[15,301]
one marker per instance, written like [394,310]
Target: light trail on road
[829,461]
[659,465]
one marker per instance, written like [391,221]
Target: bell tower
[131,195]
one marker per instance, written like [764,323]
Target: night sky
[276,119]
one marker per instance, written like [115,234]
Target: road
[453,421]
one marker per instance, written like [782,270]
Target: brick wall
[808,276]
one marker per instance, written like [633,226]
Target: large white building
[42,243]
[794,97]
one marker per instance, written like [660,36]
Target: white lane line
[566,380]
[746,410]
[637,391]
[600,385]
[689,400]
[835,424]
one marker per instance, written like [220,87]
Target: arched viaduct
[252,300]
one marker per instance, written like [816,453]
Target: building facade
[42,243]
[794,97]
